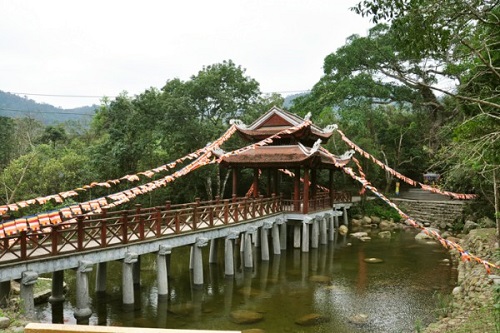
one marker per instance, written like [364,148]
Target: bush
[377,207]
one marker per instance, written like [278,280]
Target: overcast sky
[101,48]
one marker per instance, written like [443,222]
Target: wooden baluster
[54,236]
[80,232]
[236,208]
[261,208]
[158,221]
[245,208]
[195,213]
[177,223]
[211,215]
[24,244]
[124,219]
[138,215]
[226,211]
[104,238]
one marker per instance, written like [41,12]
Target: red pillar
[255,183]
[235,181]
[296,191]
[305,206]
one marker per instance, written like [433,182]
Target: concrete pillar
[283,236]
[82,311]
[331,228]
[198,261]
[136,269]
[305,236]
[264,240]
[161,270]
[212,258]
[323,235]
[4,294]
[276,239]
[57,295]
[248,250]
[100,277]
[346,220]
[229,254]
[28,280]
[296,236]
[315,234]
[336,223]
[128,280]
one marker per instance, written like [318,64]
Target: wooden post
[313,188]
[141,221]
[305,206]
[296,191]
[255,182]
[80,233]
[24,244]
[55,239]
[124,227]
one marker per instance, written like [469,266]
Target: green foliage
[376,207]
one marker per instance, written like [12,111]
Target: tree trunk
[496,197]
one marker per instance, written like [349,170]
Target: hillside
[16,107]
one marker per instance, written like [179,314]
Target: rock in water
[384,234]
[373,260]
[359,234]
[4,322]
[311,319]
[245,317]
[343,230]
[359,319]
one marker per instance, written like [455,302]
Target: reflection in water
[332,281]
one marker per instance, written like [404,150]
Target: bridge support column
[331,228]
[346,219]
[57,295]
[283,236]
[305,236]
[82,312]
[128,280]
[248,250]
[198,261]
[323,236]
[100,277]
[212,258]
[296,236]
[137,272]
[162,272]
[315,234]
[229,254]
[264,240]
[4,294]
[28,281]
[276,239]
[336,222]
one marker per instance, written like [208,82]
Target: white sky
[97,48]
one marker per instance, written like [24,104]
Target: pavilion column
[26,292]
[305,208]
[255,182]
[82,312]
[296,191]
[198,261]
[229,254]
[235,181]
[162,270]
[330,186]
[314,178]
[128,278]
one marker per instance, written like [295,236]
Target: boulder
[245,316]
[4,322]
[384,234]
[356,223]
[311,319]
[486,222]
[359,234]
[367,220]
[384,225]
[365,239]
[375,219]
[469,225]
[343,230]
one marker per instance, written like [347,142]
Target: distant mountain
[14,106]
[288,102]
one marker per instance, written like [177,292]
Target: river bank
[470,307]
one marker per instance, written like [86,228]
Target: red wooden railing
[116,228]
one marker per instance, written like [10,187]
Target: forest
[421,92]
